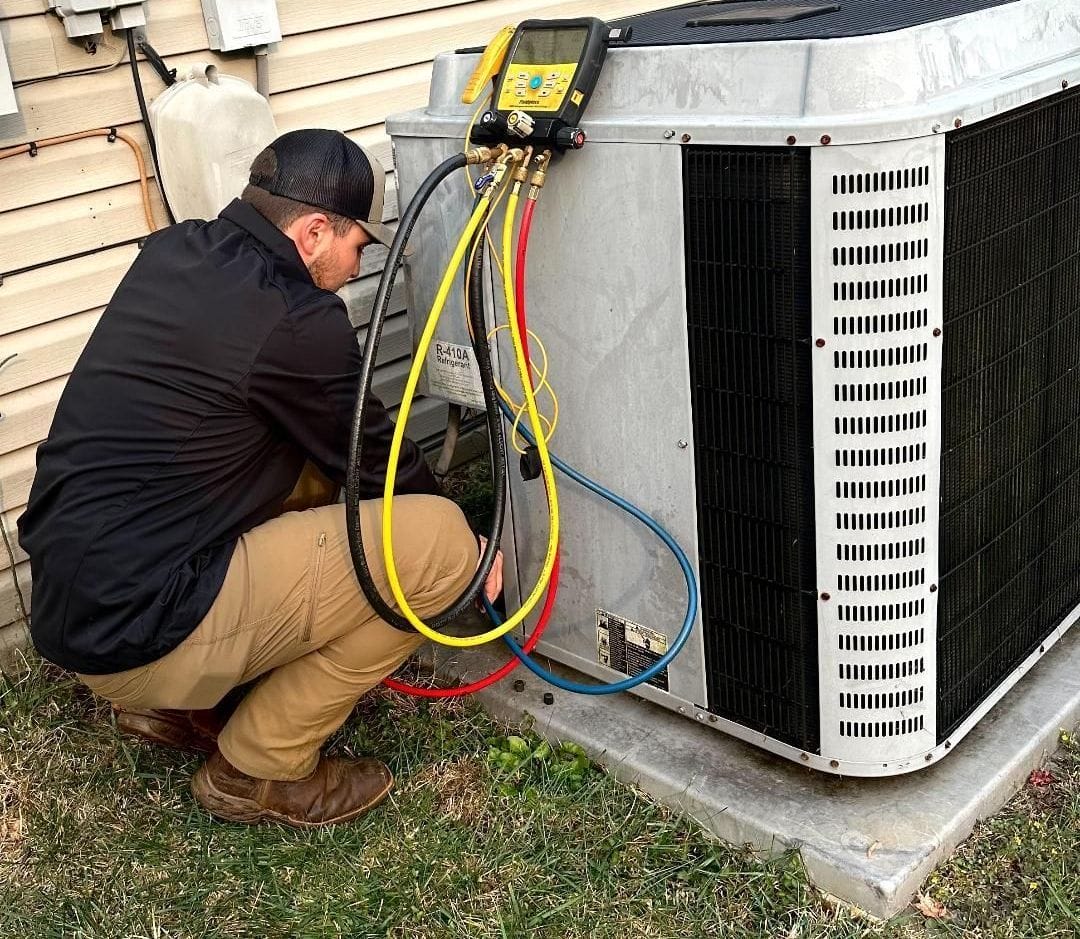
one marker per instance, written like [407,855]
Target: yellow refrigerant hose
[479,215]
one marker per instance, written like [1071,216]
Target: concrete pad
[870,842]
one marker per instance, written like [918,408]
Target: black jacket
[216,369]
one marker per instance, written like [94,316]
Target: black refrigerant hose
[494,421]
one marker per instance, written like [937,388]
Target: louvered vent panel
[877,300]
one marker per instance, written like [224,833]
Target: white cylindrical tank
[208,127]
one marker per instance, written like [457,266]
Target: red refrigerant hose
[553,584]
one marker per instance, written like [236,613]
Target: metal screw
[685,138]
[834,763]
[820,343]
[700,716]
[805,757]
[713,718]
[937,331]
[825,597]
[826,139]
[682,444]
[549,698]
[682,710]
[929,757]
[668,134]
[1065,83]
[957,123]
[519,685]
[948,743]
[791,140]
[933,588]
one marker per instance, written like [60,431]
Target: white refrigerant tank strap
[209,127]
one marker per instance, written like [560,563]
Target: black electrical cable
[166,74]
[146,122]
[367,368]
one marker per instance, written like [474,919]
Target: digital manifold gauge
[547,77]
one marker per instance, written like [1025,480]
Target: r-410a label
[453,374]
[629,647]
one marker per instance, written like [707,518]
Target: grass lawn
[489,833]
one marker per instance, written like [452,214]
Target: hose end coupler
[480,155]
[539,176]
[521,171]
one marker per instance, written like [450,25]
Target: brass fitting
[512,155]
[521,173]
[480,155]
[539,176]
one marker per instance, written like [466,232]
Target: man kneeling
[179,547]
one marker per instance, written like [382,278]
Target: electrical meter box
[209,127]
[240,24]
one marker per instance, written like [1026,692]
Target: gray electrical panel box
[241,24]
[83,17]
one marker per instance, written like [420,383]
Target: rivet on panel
[826,140]
[682,444]
[791,140]
[685,138]
[805,757]
[1064,83]
[835,764]
[948,744]
[682,710]
[937,331]
[668,134]
[713,718]
[933,588]
[929,757]
[820,343]
[700,716]
[957,123]
[825,597]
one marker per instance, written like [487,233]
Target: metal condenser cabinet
[811,297]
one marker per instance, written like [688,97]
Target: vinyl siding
[76,208]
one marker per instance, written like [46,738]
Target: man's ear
[310,233]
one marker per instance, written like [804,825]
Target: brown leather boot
[337,791]
[187,730]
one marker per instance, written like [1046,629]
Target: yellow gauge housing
[490,63]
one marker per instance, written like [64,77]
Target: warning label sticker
[454,374]
[629,647]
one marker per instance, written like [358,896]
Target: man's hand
[493,584]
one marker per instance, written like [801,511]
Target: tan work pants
[290,609]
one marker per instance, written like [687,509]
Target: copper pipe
[101,132]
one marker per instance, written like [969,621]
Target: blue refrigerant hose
[680,556]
